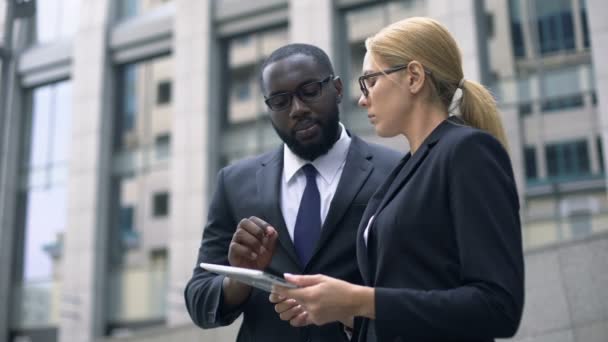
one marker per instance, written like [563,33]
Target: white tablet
[255,278]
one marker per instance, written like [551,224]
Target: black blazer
[445,250]
[252,187]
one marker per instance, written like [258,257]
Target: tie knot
[310,172]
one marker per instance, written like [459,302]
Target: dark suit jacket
[445,249]
[252,187]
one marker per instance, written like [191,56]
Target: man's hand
[252,244]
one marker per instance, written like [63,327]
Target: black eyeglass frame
[391,70]
[297,92]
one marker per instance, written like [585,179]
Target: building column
[466,22]
[312,22]
[191,154]
[83,295]
[598,30]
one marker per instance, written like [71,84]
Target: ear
[337,81]
[416,76]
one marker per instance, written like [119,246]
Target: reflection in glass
[142,136]
[56,19]
[43,205]
[132,8]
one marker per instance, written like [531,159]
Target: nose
[363,101]
[297,107]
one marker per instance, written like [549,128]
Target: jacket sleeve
[488,303]
[203,293]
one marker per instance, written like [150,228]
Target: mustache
[305,123]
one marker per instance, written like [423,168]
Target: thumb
[272,236]
[304,280]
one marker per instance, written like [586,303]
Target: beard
[311,151]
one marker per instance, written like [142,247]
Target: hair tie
[461,83]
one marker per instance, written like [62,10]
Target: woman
[439,246]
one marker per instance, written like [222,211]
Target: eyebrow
[305,82]
[367,72]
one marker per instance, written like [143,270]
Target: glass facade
[42,205]
[139,205]
[56,19]
[132,8]
[246,126]
[546,78]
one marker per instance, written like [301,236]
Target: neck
[424,119]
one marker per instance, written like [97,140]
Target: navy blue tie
[308,221]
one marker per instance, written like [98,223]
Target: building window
[489,25]
[585,24]
[243,91]
[56,19]
[524,109]
[126,219]
[163,92]
[161,204]
[568,160]
[162,146]
[560,103]
[517,35]
[580,224]
[561,89]
[42,207]
[600,153]
[530,160]
[555,26]
[136,175]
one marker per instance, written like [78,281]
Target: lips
[306,129]
[304,125]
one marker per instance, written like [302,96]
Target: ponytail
[478,109]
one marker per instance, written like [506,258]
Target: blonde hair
[430,43]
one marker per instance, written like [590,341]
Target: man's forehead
[295,68]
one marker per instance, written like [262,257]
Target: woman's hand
[325,299]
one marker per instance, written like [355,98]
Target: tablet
[255,278]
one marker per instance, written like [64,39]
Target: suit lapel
[372,206]
[357,169]
[269,191]
[414,161]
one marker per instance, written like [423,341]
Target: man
[295,209]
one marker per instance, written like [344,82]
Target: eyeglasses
[306,92]
[365,80]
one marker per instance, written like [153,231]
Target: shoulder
[375,153]
[463,144]
[458,136]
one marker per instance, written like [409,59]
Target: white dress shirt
[329,170]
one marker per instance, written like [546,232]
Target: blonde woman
[439,245]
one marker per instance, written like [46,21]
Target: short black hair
[289,50]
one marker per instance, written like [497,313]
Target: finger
[304,280]
[244,238]
[275,298]
[241,251]
[291,313]
[285,306]
[253,228]
[272,236]
[300,320]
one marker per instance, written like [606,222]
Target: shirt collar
[327,165]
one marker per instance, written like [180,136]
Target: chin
[384,133]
